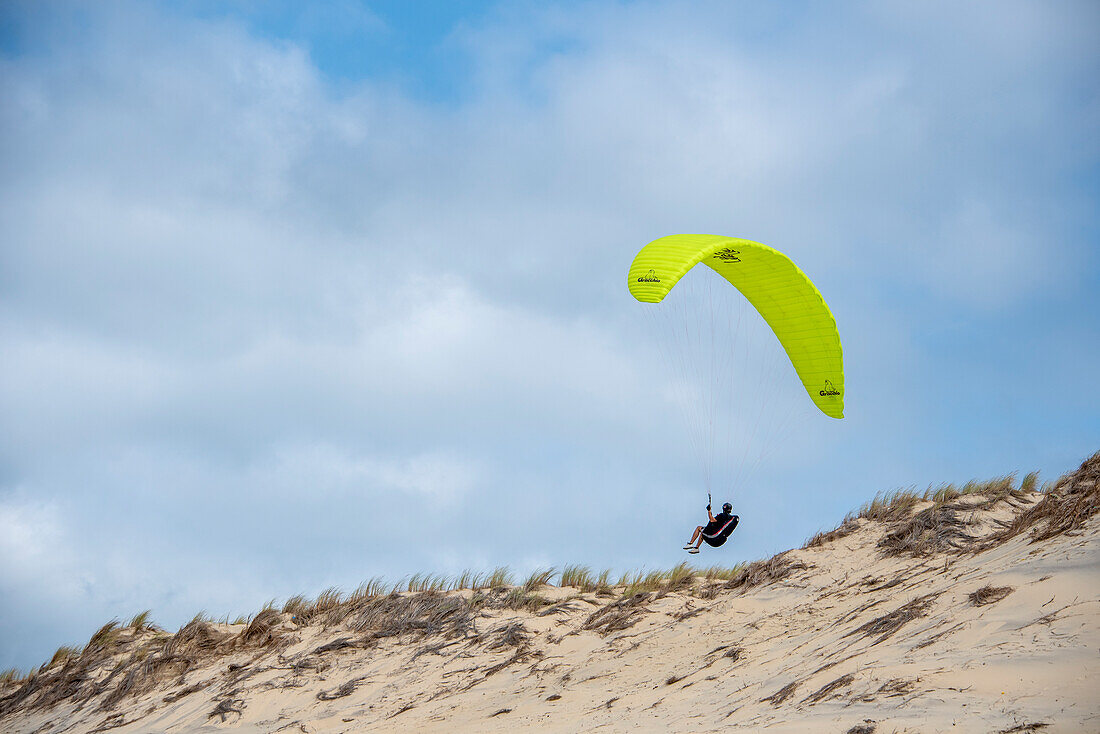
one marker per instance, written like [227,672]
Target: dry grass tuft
[782,694]
[618,615]
[105,637]
[427,582]
[346,689]
[425,613]
[513,634]
[262,630]
[518,598]
[295,605]
[603,583]
[678,578]
[326,600]
[989,595]
[888,624]
[935,529]
[140,621]
[467,580]
[1065,507]
[195,638]
[890,506]
[757,573]
[500,578]
[63,654]
[828,688]
[369,589]
[227,706]
[722,573]
[578,577]
[539,577]
[845,529]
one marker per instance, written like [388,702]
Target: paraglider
[716,531]
[787,301]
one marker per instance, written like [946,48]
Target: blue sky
[292,298]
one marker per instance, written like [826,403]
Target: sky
[295,295]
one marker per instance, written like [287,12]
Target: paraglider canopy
[782,294]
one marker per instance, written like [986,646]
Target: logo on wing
[649,277]
[728,254]
[829,390]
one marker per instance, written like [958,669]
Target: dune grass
[539,577]
[64,653]
[1065,506]
[722,573]
[521,598]
[500,578]
[577,577]
[890,506]
[295,605]
[989,594]
[467,580]
[140,621]
[372,587]
[426,582]
[679,577]
[898,505]
[603,583]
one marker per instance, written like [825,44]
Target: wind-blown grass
[468,580]
[1064,507]
[603,583]
[722,573]
[890,506]
[577,577]
[539,577]
[521,598]
[64,653]
[427,582]
[679,577]
[934,529]
[899,505]
[140,621]
[369,589]
[757,573]
[500,578]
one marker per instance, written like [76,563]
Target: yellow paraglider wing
[774,285]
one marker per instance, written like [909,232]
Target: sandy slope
[850,638]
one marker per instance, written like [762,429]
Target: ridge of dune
[978,612]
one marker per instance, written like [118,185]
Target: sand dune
[980,613]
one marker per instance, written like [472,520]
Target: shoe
[689,546]
[693,550]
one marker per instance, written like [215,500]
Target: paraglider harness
[716,533]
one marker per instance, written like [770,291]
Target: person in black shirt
[716,531]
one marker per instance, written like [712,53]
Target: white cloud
[31,539]
[275,317]
[444,478]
